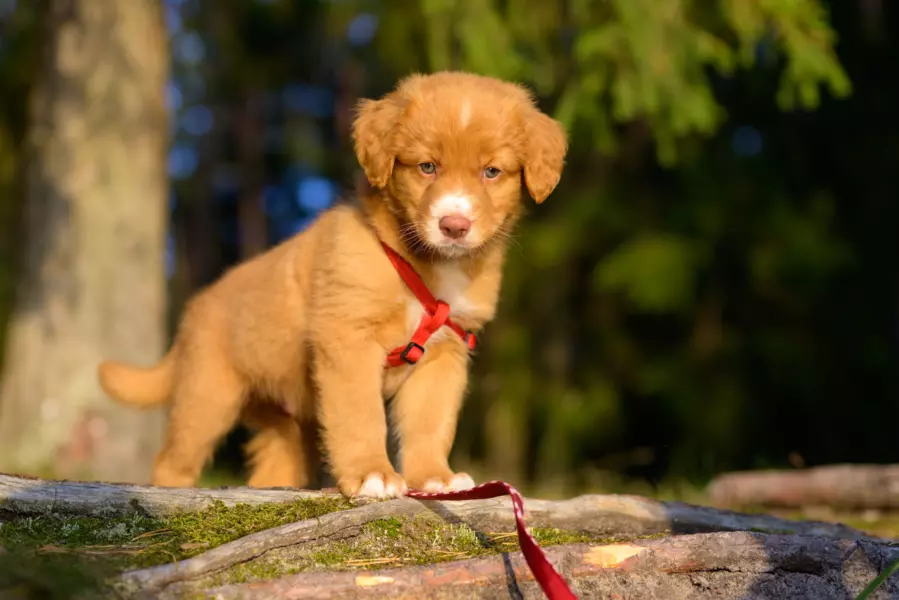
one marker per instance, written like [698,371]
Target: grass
[878,581]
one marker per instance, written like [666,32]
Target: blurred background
[712,286]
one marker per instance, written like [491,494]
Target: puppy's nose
[455,226]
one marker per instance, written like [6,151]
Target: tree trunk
[92,284]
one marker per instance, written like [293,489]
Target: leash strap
[551,582]
[436,315]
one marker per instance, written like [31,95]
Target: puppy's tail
[139,386]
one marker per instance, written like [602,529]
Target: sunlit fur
[293,342]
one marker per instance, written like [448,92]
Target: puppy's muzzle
[455,226]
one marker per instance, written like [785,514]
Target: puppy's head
[453,149]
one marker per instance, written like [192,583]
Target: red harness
[436,315]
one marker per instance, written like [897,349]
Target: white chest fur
[452,285]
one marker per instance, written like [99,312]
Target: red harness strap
[436,315]
[551,582]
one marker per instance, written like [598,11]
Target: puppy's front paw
[373,485]
[458,482]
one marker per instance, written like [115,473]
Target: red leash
[550,581]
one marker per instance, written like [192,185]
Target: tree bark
[853,487]
[92,284]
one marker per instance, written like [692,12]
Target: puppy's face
[452,149]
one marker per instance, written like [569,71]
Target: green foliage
[878,581]
[611,62]
[655,271]
[801,32]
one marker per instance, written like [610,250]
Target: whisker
[503,235]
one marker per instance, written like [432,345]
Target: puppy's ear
[372,138]
[544,154]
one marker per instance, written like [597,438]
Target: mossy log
[638,548]
[720,566]
[600,516]
[611,514]
[852,487]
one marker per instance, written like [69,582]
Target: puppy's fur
[296,338]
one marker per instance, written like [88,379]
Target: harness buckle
[410,348]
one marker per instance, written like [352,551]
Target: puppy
[312,324]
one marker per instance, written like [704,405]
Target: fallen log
[600,516]
[675,565]
[30,496]
[845,486]
[611,514]
[732,565]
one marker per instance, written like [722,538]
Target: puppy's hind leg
[207,401]
[282,452]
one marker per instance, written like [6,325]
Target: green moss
[221,524]
[52,555]
[554,537]
[390,542]
[391,527]
[257,570]
[395,542]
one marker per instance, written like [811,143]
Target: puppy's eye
[491,172]
[428,168]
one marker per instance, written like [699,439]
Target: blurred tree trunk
[252,226]
[92,283]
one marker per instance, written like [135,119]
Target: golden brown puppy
[308,324]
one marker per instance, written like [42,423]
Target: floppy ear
[545,154]
[372,138]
